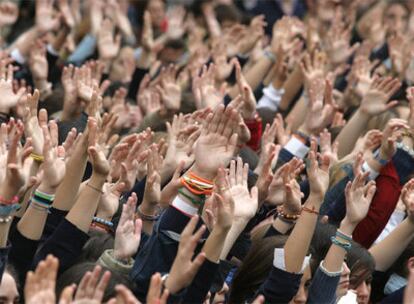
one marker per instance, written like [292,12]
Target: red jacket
[382,206]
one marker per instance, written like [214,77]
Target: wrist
[203,173]
[363,113]
[97,180]
[347,226]
[304,130]
[44,187]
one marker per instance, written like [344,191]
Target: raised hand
[217,142]
[125,296]
[318,174]
[100,164]
[181,139]
[40,284]
[152,193]
[147,38]
[46,17]
[176,28]
[358,199]
[38,62]
[155,293]
[9,99]
[322,107]
[16,176]
[245,202]
[91,288]
[9,12]
[391,134]
[249,101]
[410,98]
[223,202]
[327,147]
[223,66]
[128,232]
[204,90]
[293,199]
[66,12]
[169,89]
[53,166]
[108,45]
[337,42]
[185,267]
[34,122]
[381,90]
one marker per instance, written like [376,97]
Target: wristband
[14,200]
[309,210]
[269,55]
[37,157]
[6,210]
[193,200]
[94,188]
[336,242]
[147,218]
[343,236]
[182,206]
[373,174]
[102,221]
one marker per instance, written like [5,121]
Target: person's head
[123,65]
[256,266]
[98,242]
[75,274]
[228,15]
[400,266]
[156,8]
[172,52]
[395,17]
[362,265]
[9,293]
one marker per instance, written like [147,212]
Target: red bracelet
[306,209]
[14,200]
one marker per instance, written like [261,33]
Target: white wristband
[372,173]
[17,56]
[297,148]
[184,207]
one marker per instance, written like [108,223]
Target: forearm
[388,250]
[24,42]
[215,243]
[336,254]
[291,86]
[68,189]
[297,116]
[85,206]
[235,230]
[351,132]
[4,233]
[254,76]
[299,240]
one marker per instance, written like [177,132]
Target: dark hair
[359,260]
[98,242]
[400,265]
[256,267]
[75,274]
[402,3]
[361,264]
[228,13]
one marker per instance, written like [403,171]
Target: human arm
[389,249]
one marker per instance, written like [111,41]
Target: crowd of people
[206,151]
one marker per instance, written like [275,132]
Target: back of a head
[75,274]
[255,268]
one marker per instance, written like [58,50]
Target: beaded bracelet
[5,220]
[193,200]
[147,218]
[292,217]
[6,210]
[336,242]
[285,220]
[102,221]
[4,201]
